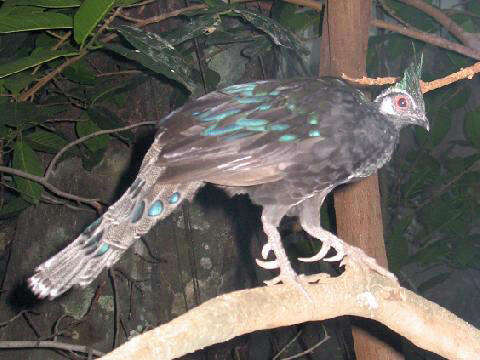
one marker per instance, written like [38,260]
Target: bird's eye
[402,102]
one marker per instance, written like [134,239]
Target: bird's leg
[343,249]
[287,274]
[274,243]
[310,221]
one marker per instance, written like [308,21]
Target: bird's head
[403,102]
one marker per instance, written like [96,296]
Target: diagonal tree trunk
[357,206]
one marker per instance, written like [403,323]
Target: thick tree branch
[355,292]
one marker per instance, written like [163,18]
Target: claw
[266,250]
[274,281]
[320,255]
[338,257]
[271,264]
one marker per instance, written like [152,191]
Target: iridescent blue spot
[274,93]
[313,119]
[156,208]
[137,212]
[314,133]
[195,113]
[247,93]
[214,131]
[291,107]
[263,107]
[174,198]
[91,228]
[251,122]
[239,88]
[220,116]
[279,127]
[287,138]
[252,99]
[102,249]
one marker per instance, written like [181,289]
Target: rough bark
[357,207]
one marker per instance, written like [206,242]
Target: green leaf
[203,25]
[432,282]
[398,244]
[471,127]
[425,173]
[293,17]
[106,91]
[81,73]
[42,140]
[466,251]
[35,59]
[412,16]
[280,35]
[17,82]
[125,2]
[156,54]
[13,207]
[105,119]
[459,99]
[25,115]
[431,254]
[34,21]
[25,159]
[441,126]
[96,143]
[50,3]
[88,16]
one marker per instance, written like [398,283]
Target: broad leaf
[432,282]
[13,207]
[96,143]
[34,21]
[42,140]
[35,59]
[105,119]
[88,16]
[15,83]
[156,54]
[50,3]
[25,115]
[471,127]
[203,25]
[25,159]
[80,73]
[441,126]
[280,35]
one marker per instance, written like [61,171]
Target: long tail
[104,241]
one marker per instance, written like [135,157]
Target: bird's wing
[249,134]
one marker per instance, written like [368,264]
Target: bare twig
[89,136]
[450,25]
[42,181]
[428,38]
[465,73]
[49,344]
[20,314]
[310,350]
[282,350]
